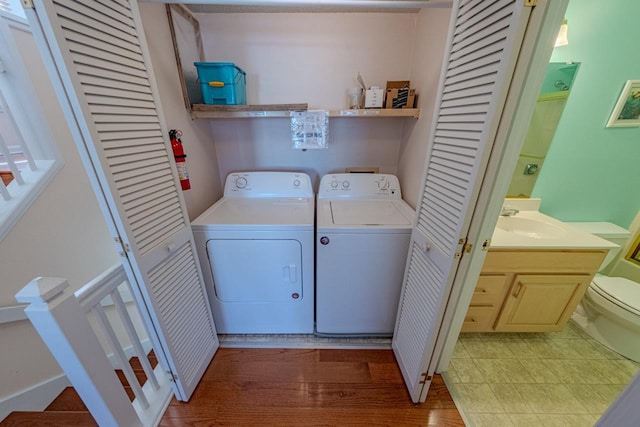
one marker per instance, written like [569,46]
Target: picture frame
[626,113]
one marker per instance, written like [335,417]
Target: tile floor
[302,341]
[539,379]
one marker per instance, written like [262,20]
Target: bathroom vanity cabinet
[530,290]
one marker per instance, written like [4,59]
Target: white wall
[309,58]
[265,144]
[63,234]
[431,35]
[202,162]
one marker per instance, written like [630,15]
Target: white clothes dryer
[362,240]
[255,247]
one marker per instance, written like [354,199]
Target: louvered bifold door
[484,39]
[97,48]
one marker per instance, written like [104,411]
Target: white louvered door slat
[98,50]
[483,44]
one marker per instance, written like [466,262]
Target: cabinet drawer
[479,319]
[547,261]
[489,290]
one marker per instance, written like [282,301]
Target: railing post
[63,325]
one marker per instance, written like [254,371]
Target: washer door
[247,270]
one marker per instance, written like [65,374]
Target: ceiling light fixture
[562,39]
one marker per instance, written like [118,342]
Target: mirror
[553,96]
[187,46]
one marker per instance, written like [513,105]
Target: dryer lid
[623,292]
[368,212]
[289,211]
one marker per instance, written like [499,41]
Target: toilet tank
[607,231]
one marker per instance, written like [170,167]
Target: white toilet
[610,309]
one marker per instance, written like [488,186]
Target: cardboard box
[374,97]
[399,94]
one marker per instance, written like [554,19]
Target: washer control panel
[268,184]
[359,185]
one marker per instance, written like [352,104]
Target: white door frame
[527,81]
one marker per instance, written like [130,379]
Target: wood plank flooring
[309,387]
[286,387]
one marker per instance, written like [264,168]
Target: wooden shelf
[377,112]
[204,111]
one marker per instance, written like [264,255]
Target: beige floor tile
[525,420]
[595,398]
[605,351]
[492,371]
[565,349]
[466,371]
[523,349]
[491,348]
[609,372]
[585,372]
[566,333]
[542,349]
[543,379]
[544,371]
[567,420]
[516,370]
[511,401]
[586,349]
[627,368]
[478,398]
[459,352]
[491,420]
[550,399]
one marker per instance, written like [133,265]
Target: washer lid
[619,290]
[367,212]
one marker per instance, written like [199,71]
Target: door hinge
[425,378]
[124,246]
[28,4]
[486,244]
[462,247]
[172,377]
[530,3]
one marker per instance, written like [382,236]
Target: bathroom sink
[533,228]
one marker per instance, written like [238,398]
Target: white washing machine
[255,247]
[362,239]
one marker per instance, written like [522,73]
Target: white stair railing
[61,319]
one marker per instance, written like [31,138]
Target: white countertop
[530,229]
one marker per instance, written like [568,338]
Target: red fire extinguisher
[180,157]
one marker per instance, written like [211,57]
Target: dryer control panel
[361,186]
[268,184]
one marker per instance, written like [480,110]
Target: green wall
[591,172]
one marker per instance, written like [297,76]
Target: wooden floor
[292,387]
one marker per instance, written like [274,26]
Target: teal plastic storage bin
[222,83]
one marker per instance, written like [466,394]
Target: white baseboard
[34,398]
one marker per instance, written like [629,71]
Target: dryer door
[248,270]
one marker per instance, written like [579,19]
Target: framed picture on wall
[627,109]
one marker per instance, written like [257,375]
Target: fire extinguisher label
[182,171]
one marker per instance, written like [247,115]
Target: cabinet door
[540,303]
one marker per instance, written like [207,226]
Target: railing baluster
[133,337]
[104,323]
[62,324]
[21,142]
[60,317]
